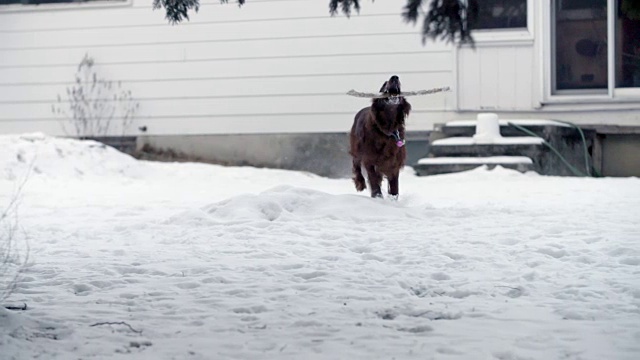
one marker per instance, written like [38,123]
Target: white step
[490,160]
[504,122]
[469,141]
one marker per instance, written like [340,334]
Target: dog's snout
[393,85]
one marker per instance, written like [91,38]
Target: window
[582,4]
[581,60]
[627,42]
[595,47]
[501,14]
[42,2]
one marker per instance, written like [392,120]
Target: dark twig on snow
[23,307]
[407,93]
[117,323]
[509,287]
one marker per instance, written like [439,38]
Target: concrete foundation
[614,154]
[621,155]
[322,154]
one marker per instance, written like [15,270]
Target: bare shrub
[94,106]
[14,249]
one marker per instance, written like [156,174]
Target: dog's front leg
[375,180]
[394,186]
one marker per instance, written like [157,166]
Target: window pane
[502,14]
[582,4]
[581,44]
[628,44]
[39,2]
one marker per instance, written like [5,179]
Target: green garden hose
[573,169]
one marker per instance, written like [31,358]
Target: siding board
[262,67]
[305,47]
[242,87]
[237,124]
[202,107]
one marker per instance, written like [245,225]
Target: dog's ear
[406,107]
[383,88]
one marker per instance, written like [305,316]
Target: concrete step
[489,136]
[528,146]
[539,127]
[445,165]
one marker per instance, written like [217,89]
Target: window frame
[611,94]
[93,4]
[505,28]
[506,36]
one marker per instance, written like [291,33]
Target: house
[265,84]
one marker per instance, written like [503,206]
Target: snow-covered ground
[211,262]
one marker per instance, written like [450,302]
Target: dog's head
[390,112]
[391,86]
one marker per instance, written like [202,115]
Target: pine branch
[412,11]
[447,20]
[450,21]
[178,10]
[345,6]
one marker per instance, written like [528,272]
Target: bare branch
[93,103]
[12,262]
[407,93]
[117,323]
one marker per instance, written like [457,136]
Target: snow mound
[287,203]
[18,331]
[40,155]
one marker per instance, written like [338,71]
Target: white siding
[271,66]
[499,78]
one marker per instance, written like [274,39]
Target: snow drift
[239,263]
[62,158]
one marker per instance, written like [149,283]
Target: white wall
[269,67]
[496,78]
[509,72]
[273,66]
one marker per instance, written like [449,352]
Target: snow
[213,262]
[487,129]
[466,141]
[505,122]
[476,160]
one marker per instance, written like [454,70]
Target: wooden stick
[117,323]
[408,93]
